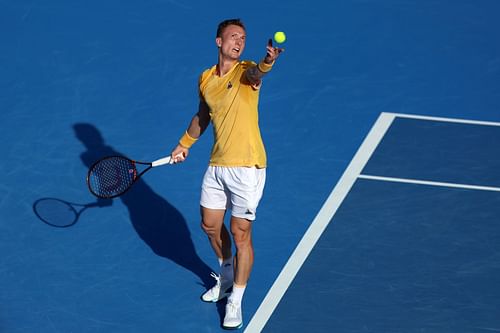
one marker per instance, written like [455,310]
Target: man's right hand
[179,154]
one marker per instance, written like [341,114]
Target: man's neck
[225,65]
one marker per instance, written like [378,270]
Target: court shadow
[157,222]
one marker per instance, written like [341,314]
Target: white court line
[319,224]
[431,183]
[325,215]
[448,120]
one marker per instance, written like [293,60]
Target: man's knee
[208,228]
[241,230]
[212,221]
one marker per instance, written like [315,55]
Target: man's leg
[241,230]
[212,222]
[242,235]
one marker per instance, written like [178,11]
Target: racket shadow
[157,222]
[60,213]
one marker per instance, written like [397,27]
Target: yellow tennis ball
[279,37]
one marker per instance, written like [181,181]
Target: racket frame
[158,162]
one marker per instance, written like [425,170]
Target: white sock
[237,294]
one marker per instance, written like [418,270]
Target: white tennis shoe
[233,319]
[222,289]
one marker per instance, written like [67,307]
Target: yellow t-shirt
[233,104]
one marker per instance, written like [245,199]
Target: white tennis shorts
[236,188]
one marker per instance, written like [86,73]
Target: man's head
[230,38]
[226,23]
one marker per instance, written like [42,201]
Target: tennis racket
[112,176]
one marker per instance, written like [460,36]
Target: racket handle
[162,161]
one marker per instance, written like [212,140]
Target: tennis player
[234,180]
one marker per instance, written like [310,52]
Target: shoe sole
[229,328]
[214,300]
[226,294]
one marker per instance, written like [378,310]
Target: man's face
[232,42]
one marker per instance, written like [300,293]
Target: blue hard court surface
[83,79]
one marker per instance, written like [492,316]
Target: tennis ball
[279,37]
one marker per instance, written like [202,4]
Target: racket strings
[112,176]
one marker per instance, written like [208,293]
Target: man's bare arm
[197,126]
[200,121]
[255,74]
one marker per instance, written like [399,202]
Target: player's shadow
[159,224]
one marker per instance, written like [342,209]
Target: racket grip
[162,161]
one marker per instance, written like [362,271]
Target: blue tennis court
[380,211]
[406,242]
